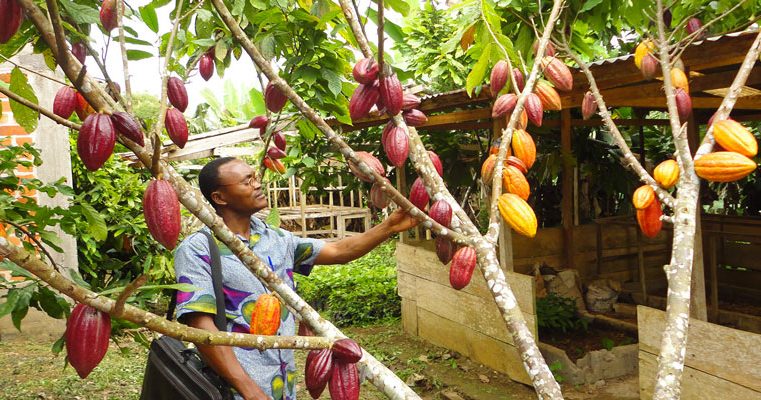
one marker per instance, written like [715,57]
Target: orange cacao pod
[534,109]
[87,333]
[128,126]
[487,169]
[396,145]
[518,76]
[679,79]
[96,141]
[445,249]
[391,93]
[176,127]
[644,48]
[178,95]
[108,15]
[522,122]
[498,77]
[65,100]
[724,166]
[371,162]
[504,105]
[524,147]
[441,212]
[83,108]
[418,194]
[344,381]
[362,100]
[732,136]
[649,219]
[274,165]
[317,371]
[161,210]
[517,163]
[558,73]
[513,181]
[643,196]
[518,214]
[365,71]
[274,99]
[265,320]
[683,104]
[667,174]
[588,105]
[436,161]
[649,67]
[463,263]
[548,95]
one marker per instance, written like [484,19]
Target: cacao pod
[11,14]
[275,153]
[178,95]
[463,263]
[386,131]
[498,77]
[588,105]
[558,73]
[362,100]
[518,76]
[304,329]
[79,51]
[548,95]
[87,334]
[260,121]
[522,122]
[724,166]
[549,51]
[391,93]
[679,80]
[732,136]
[83,108]
[445,249]
[524,147]
[346,351]
[534,109]
[683,104]
[396,146]
[643,196]
[415,117]
[365,71]
[487,169]
[108,13]
[379,104]
[206,65]
[667,174]
[518,214]
[436,161]
[649,67]
[644,48]
[441,212]
[344,381]
[265,319]
[126,125]
[504,105]
[418,194]
[517,163]
[410,101]
[317,371]
[161,210]
[274,99]
[279,139]
[649,219]
[274,165]
[371,162]
[176,127]
[513,181]
[693,25]
[65,101]
[96,140]
[378,197]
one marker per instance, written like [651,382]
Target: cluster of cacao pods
[87,334]
[377,197]
[645,60]
[265,319]
[335,368]
[174,120]
[161,209]
[384,93]
[274,153]
[11,14]
[736,147]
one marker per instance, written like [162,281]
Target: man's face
[239,189]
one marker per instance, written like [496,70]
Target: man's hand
[400,221]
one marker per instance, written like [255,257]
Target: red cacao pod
[415,117]
[441,212]
[79,51]
[365,71]
[463,264]
[518,76]
[371,162]
[126,125]
[304,329]
[65,101]
[445,249]
[693,25]
[386,130]
[410,101]
[178,95]
[275,153]
[265,319]
[549,51]
[524,147]
[344,381]
[649,67]
[346,351]
[396,146]
[588,105]
[418,194]
[436,161]
[176,127]
[96,140]
[517,163]
[548,95]
[108,13]
[11,14]
[274,98]
[362,100]
[378,198]
[558,73]
[498,77]
[206,65]
[260,121]
[534,109]
[274,165]
[317,371]
[279,139]
[504,105]
[83,108]
[683,104]
[392,94]
[161,210]
[649,219]
[87,334]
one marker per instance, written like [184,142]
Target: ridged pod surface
[498,77]
[317,371]
[128,126]
[667,174]
[548,95]
[397,146]
[445,249]
[274,165]
[643,196]
[558,73]
[504,105]
[524,147]
[724,166]
[108,15]
[436,161]
[415,117]
[534,109]
[733,136]
[161,210]
[378,197]
[275,153]
[683,104]
[176,127]
[279,139]
[11,15]
[461,270]
[410,101]
[418,194]
[522,122]
[96,140]
[344,381]
[206,65]
[441,212]
[679,79]
[178,95]
[274,99]
[518,214]
[265,320]
[513,181]
[87,334]
[365,71]
[371,162]
[649,219]
[588,105]
[79,51]
[346,350]
[65,101]
[549,51]
[644,48]
[487,169]
[362,100]
[517,163]
[392,94]
[518,76]
[649,67]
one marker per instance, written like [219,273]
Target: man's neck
[238,223]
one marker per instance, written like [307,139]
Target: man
[231,186]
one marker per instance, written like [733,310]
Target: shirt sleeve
[305,251]
[192,265]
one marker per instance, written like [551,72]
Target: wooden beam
[698,308]
[567,188]
[746,103]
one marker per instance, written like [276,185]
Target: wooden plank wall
[466,321]
[720,363]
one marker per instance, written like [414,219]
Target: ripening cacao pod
[667,18]
[410,101]
[206,65]
[176,127]
[386,131]
[548,95]
[96,140]
[108,13]
[693,25]
[518,214]
[487,169]
[391,93]
[79,51]
[397,146]
[683,104]
[732,136]
[513,181]
[279,139]
[344,381]
[522,122]
[274,99]
[265,319]
[87,334]
[371,162]
[415,117]
[649,67]
[274,165]
[377,197]
[498,77]
[445,249]
[178,95]
[666,174]
[643,196]
[679,80]
[463,263]
[365,71]
[441,212]
[558,73]
[161,210]
[83,108]
[275,153]
[649,219]
[260,121]
[126,125]
[534,109]
[524,147]
[11,14]
[517,163]
[418,194]
[504,105]
[346,350]
[724,166]
[644,48]
[317,371]
[436,161]
[362,100]
[518,76]
[549,51]
[588,105]
[65,101]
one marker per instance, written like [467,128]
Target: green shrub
[556,312]
[357,293]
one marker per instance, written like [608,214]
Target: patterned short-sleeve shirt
[273,370]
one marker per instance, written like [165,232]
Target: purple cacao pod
[346,350]
[397,146]
[206,65]
[275,153]
[126,125]
[79,51]
[274,98]
[279,139]
[498,77]
[444,249]
[318,369]
[178,95]
[161,209]
[392,94]
[96,140]
[365,71]
[534,109]
[441,212]
[260,121]
[176,127]
[436,162]
[87,334]
[418,194]
[11,15]
[362,100]
[65,101]
[410,101]
[415,117]
[344,381]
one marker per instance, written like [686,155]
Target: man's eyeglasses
[248,181]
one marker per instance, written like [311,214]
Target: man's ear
[218,198]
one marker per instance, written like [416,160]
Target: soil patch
[578,343]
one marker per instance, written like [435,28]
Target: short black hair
[208,178]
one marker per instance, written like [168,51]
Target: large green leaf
[81,14]
[98,228]
[148,14]
[24,116]
[394,31]
[273,218]
[134,55]
[476,75]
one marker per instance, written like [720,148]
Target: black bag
[175,372]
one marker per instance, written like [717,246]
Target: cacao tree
[292,36]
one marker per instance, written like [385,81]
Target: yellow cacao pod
[679,80]
[643,197]
[724,166]
[732,136]
[644,48]
[667,174]
[524,147]
[518,214]
[265,319]
[513,181]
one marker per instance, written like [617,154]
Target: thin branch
[40,109]
[34,239]
[361,24]
[164,72]
[102,66]
[19,66]
[689,39]
[118,308]
[125,61]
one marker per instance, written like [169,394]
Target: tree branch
[118,308]
[40,109]
[125,63]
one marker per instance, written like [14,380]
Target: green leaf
[58,345]
[399,6]
[476,76]
[273,218]
[134,55]
[22,305]
[394,31]
[24,116]
[590,4]
[255,102]
[148,14]
[98,228]
[183,287]
[15,269]
[49,303]
[334,81]
[208,42]
[204,15]
[80,14]
[137,41]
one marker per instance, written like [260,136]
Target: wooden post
[698,282]
[713,265]
[567,188]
